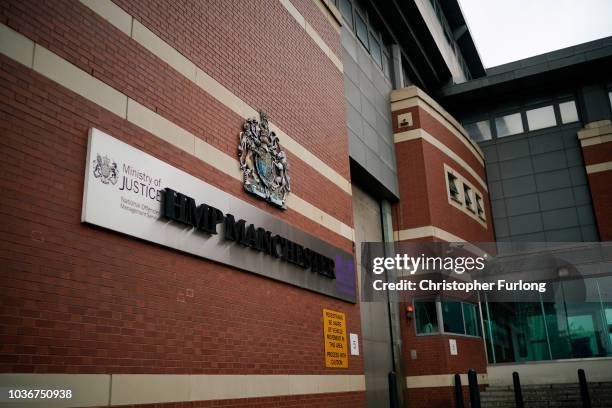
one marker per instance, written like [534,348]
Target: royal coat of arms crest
[105,170]
[263,163]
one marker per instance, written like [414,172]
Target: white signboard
[354,344]
[124,190]
[452,343]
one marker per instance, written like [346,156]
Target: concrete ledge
[441,380]
[552,372]
[124,389]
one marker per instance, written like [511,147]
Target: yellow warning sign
[334,337]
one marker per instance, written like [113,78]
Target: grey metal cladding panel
[352,93]
[373,164]
[582,195]
[501,227]
[564,235]
[570,137]
[354,120]
[513,149]
[546,143]
[357,149]
[386,152]
[493,172]
[364,61]
[578,175]
[499,208]
[370,137]
[554,199]
[549,161]
[495,190]
[367,111]
[553,180]
[350,67]
[516,167]
[574,157]
[522,205]
[490,153]
[349,43]
[585,215]
[589,233]
[558,219]
[383,127]
[367,88]
[535,237]
[389,180]
[525,224]
[519,186]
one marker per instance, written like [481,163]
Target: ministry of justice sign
[132,192]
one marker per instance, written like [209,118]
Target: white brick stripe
[426,231]
[162,50]
[71,77]
[123,389]
[440,380]
[599,167]
[299,18]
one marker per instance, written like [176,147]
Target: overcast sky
[509,30]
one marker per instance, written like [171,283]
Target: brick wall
[80,299]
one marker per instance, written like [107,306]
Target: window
[346,9]
[479,207]
[568,112]
[610,97]
[467,194]
[470,317]
[509,125]
[426,317]
[361,30]
[541,118]
[386,64]
[452,186]
[479,131]
[375,50]
[452,316]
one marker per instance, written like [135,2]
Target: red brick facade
[82,300]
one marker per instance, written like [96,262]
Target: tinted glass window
[452,316]
[541,118]
[470,315]
[362,30]
[426,317]
[509,125]
[568,112]
[375,51]
[479,131]
[347,12]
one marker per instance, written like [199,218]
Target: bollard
[458,392]
[584,389]
[393,400]
[518,393]
[474,391]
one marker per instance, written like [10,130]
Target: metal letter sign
[264,166]
[129,191]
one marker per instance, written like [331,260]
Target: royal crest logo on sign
[105,170]
[263,163]
[131,192]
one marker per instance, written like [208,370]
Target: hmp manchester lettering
[181,208]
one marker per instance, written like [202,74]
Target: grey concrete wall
[376,340]
[368,113]
[538,187]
